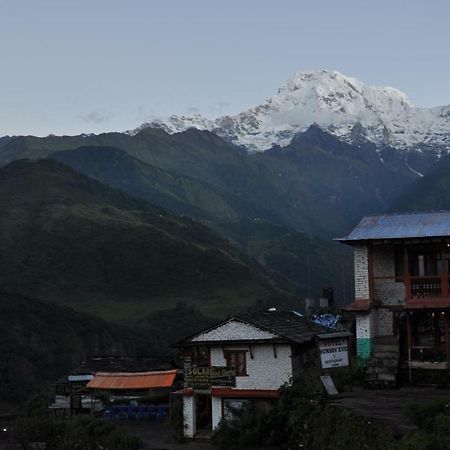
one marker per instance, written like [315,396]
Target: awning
[358,305]
[244,393]
[140,380]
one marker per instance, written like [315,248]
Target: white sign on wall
[333,352]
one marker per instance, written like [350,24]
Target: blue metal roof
[401,225]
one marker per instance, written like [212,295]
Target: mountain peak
[335,102]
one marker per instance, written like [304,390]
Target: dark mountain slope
[279,248]
[308,262]
[432,192]
[333,183]
[181,194]
[317,184]
[72,240]
[41,342]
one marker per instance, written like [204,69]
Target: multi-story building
[402,300]
[247,358]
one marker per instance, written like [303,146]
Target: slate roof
[287,325]
[401,225]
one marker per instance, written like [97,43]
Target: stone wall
[386,291]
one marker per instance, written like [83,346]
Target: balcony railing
[422,287]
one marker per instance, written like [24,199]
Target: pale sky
[73,66]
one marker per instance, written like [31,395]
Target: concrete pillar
[364,334]
[216,407]
[190,426]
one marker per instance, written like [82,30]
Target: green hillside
[283,250]
[70,239]
[41,342]
[180,194]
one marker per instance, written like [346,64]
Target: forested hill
[70,239]
[41,341]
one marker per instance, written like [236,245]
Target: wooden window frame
[227,355]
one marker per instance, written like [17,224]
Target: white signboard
[333,352]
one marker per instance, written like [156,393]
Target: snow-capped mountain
[342,105]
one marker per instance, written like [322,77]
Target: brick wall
[388,292]
[360,254]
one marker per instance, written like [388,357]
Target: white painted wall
[264,370]
[216,407]
[189,416]
[365,325]
[360,254]
[234,330]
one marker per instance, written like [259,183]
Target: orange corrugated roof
[140,380]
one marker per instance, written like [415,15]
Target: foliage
[41,342]
[71,240]
[422,414]
[301,418]
[341,429]
[82,432]
[433,420]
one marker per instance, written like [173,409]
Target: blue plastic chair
[161,413]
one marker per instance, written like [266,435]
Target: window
[236,359]
[200,356]
[421,262]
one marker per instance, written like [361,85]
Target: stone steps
[383,367]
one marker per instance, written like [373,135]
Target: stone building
[245,358]
[402,301]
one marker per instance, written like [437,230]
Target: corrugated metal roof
[401,225]
[139,380]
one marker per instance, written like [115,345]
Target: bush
[422,414]
[302,419]
[81,432]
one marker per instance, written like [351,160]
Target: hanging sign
[205,377]
[333,352]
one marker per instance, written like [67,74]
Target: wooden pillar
[437,331]
[409,341]
[444,271]
[370,270]
[447,340]
[406,276]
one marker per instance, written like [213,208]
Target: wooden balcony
[427,292]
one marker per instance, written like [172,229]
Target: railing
[422,287]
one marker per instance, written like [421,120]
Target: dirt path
[386,406]
[158,436]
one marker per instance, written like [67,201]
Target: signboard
[205,377]
[333,352]
[329,385]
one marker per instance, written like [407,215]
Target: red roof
[359,304]
[244,393]
[428,303]
[139,380]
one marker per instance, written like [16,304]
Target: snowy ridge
[341,105]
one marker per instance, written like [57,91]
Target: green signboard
[205,377]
